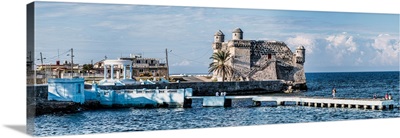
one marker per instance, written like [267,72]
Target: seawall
[39,93]
[38,104]
[209,88]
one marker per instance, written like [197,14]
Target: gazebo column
[130,73]
[124,71]
[105,72]
[112,71]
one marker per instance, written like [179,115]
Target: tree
[220,64]
[87,67]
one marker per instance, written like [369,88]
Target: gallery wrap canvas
[108,68]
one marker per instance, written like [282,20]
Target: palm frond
[220,63]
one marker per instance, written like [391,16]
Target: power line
[193,60]
[59,55]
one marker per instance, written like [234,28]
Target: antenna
[58,54]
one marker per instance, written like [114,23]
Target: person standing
[333,92]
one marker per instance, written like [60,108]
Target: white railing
[68,75]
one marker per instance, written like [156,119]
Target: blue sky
[334,41]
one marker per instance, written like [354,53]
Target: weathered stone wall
[299,75]
[34,95]
[266,73]
[209,88]
[241,61]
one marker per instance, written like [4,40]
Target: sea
[347,84]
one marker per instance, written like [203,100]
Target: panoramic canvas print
[103,68]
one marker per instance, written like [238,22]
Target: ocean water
[348,85]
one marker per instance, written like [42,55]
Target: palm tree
[220,65]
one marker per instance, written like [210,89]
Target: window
[140,70]
[269,56]
[138,61]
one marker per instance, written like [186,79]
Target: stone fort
[259,60]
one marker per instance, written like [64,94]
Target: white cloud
[387,50]
[182,63]
[350,44]
[341,46]
[308,41]
[343,40]
[358,61]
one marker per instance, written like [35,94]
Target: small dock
[216,101]
[374,104]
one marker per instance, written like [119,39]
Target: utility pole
[41,59]
[166,58]
[72,62]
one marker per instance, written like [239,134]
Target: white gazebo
[116,81]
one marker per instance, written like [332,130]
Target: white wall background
[13,43]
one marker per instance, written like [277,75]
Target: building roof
[237,30]
[219,33]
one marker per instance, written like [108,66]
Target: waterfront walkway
[374,104]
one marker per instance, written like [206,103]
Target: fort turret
[219,36]
[300,55]
[237,34]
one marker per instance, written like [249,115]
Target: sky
[334,41]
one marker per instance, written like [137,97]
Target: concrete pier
[216,101]
[221,101]
[375,104]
